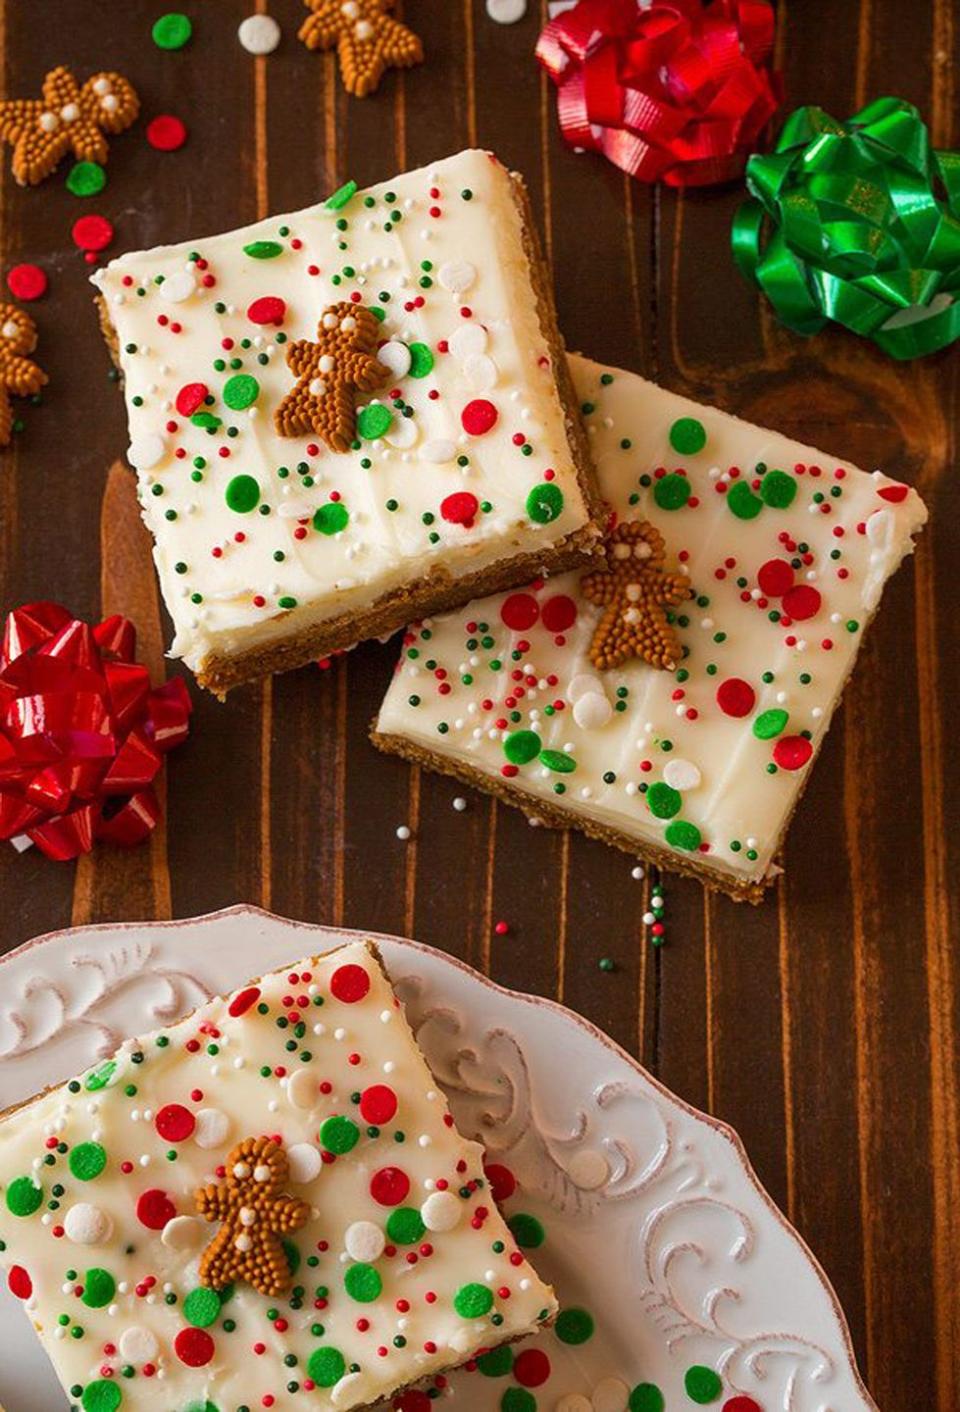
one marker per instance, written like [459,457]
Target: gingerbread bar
[347,417]
[264,1204]
[672,701]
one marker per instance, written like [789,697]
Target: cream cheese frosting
[404,1266]
[461,460]
[787,550]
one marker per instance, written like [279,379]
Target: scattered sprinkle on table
[92,233]
[166,133]
[259,34]
[86,179]
[27,282]
[172,31]
[403,833]
[506,12]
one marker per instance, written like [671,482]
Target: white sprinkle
[259,34]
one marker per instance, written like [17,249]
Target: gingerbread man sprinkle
[331,372]
[19,374]
[368,40]
[635,590]
[66,118]
[255,1215]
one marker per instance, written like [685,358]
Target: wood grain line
[864,53]
[632,265]
[413,852]
[470,72]
[941,994]
[262,173]
[486,938]
[786,1050]
[563,903]
[645,948]
[340,795]
[709,969]
[865,1001]
[943,97]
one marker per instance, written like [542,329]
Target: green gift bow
[864,224]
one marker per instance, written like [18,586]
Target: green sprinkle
[373,421]
[663,801]
[326,1366]
[172,31]
[778,490]
[702,1384]
[331,518]
[363,1283]
[681,834]
[473,1301]
[242,494]
[241,391]
[544,503]
[86,179]
[341,196]
[263,249]
[770,723]
[672,492]
[574,1326]
[527,1231]
[421,360]
[688,436]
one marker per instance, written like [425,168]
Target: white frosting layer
[97,1255]
[726,784]
[448,271]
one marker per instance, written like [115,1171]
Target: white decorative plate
[655,1221]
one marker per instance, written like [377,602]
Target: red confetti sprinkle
[735,697]
[792,752]
[175,1123]
[520,611]
[241,1002]
[894,493]
[531,1367]
[478,417]
[378,1104]
[741,1404]
[802,602]
[389,1186]
[460,508]
[775,577]
[268,309]
[559,613]
[191,396]
[194,1347]
[92,233]
[502,1182]
[349,984]
[166,133]
[155,1209]
[19,1282]
[30,282]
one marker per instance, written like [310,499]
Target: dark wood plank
[823,1024]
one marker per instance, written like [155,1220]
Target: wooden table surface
[823,1024]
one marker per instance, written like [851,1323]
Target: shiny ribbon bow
[678,91]
[82,735]
[857,222]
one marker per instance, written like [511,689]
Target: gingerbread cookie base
[294,1118]
[479,491]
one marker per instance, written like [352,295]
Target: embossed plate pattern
[655,1221]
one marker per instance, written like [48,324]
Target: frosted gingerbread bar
[263,1205]
[346,417]
[672,701]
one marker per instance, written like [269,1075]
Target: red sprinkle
[792,752]
[194,1347]
[166,133]
[736,697]
[389,1186]
[268,309]
[378,1104]
[191,396]
[155,1209]
[479,417]
[502,1182]
[802,602]
[531,1368]
[520,611]
[27,282]
[175,1123]
[19,1282]
[92,233]
[460,508]
[349,984]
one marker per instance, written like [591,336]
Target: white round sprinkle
[457,276]
[588,1170]
[592,711]
[480,372]
[459,804]
[441,1211]
[364,1241]
[138,1345]
[506,12]
[176,288]
[681,774]
[305,1162]
[302,1089]
[259,34]
[610,1395]
[182,1233]
[573,1402]
[87,1225]
[469,339]
[403,833]
[213,1128]
[395,356]
[146,451]
[438,451]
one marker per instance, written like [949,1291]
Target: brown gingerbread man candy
[66,118]
[19,374]
[368,40]
[254,1215]
[331,372]
[635,590]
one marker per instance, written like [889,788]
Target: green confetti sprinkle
[363,1283]
[405,1226]
[770,724]
[172,31]
[86,179]
[341,196]
[742,501]
[702,1384]
[527,1231]
[497,1363]
[373,421]
[544,503]
[201,1307]
[663,801]
[688,436]
[242,494]
[87,1160]
[672,492]
[647,1397]
[101,1396]
[421,360]
[574,1326]
[473,1301]
[241,391]
[339,1135]
[558,761]
[681,834]
[331,518]
[326,1366]
[778,490]
[23,1196]
[520,747]
[99,1287]
[263,249]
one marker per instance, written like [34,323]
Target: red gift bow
[678,91]
[82,735]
